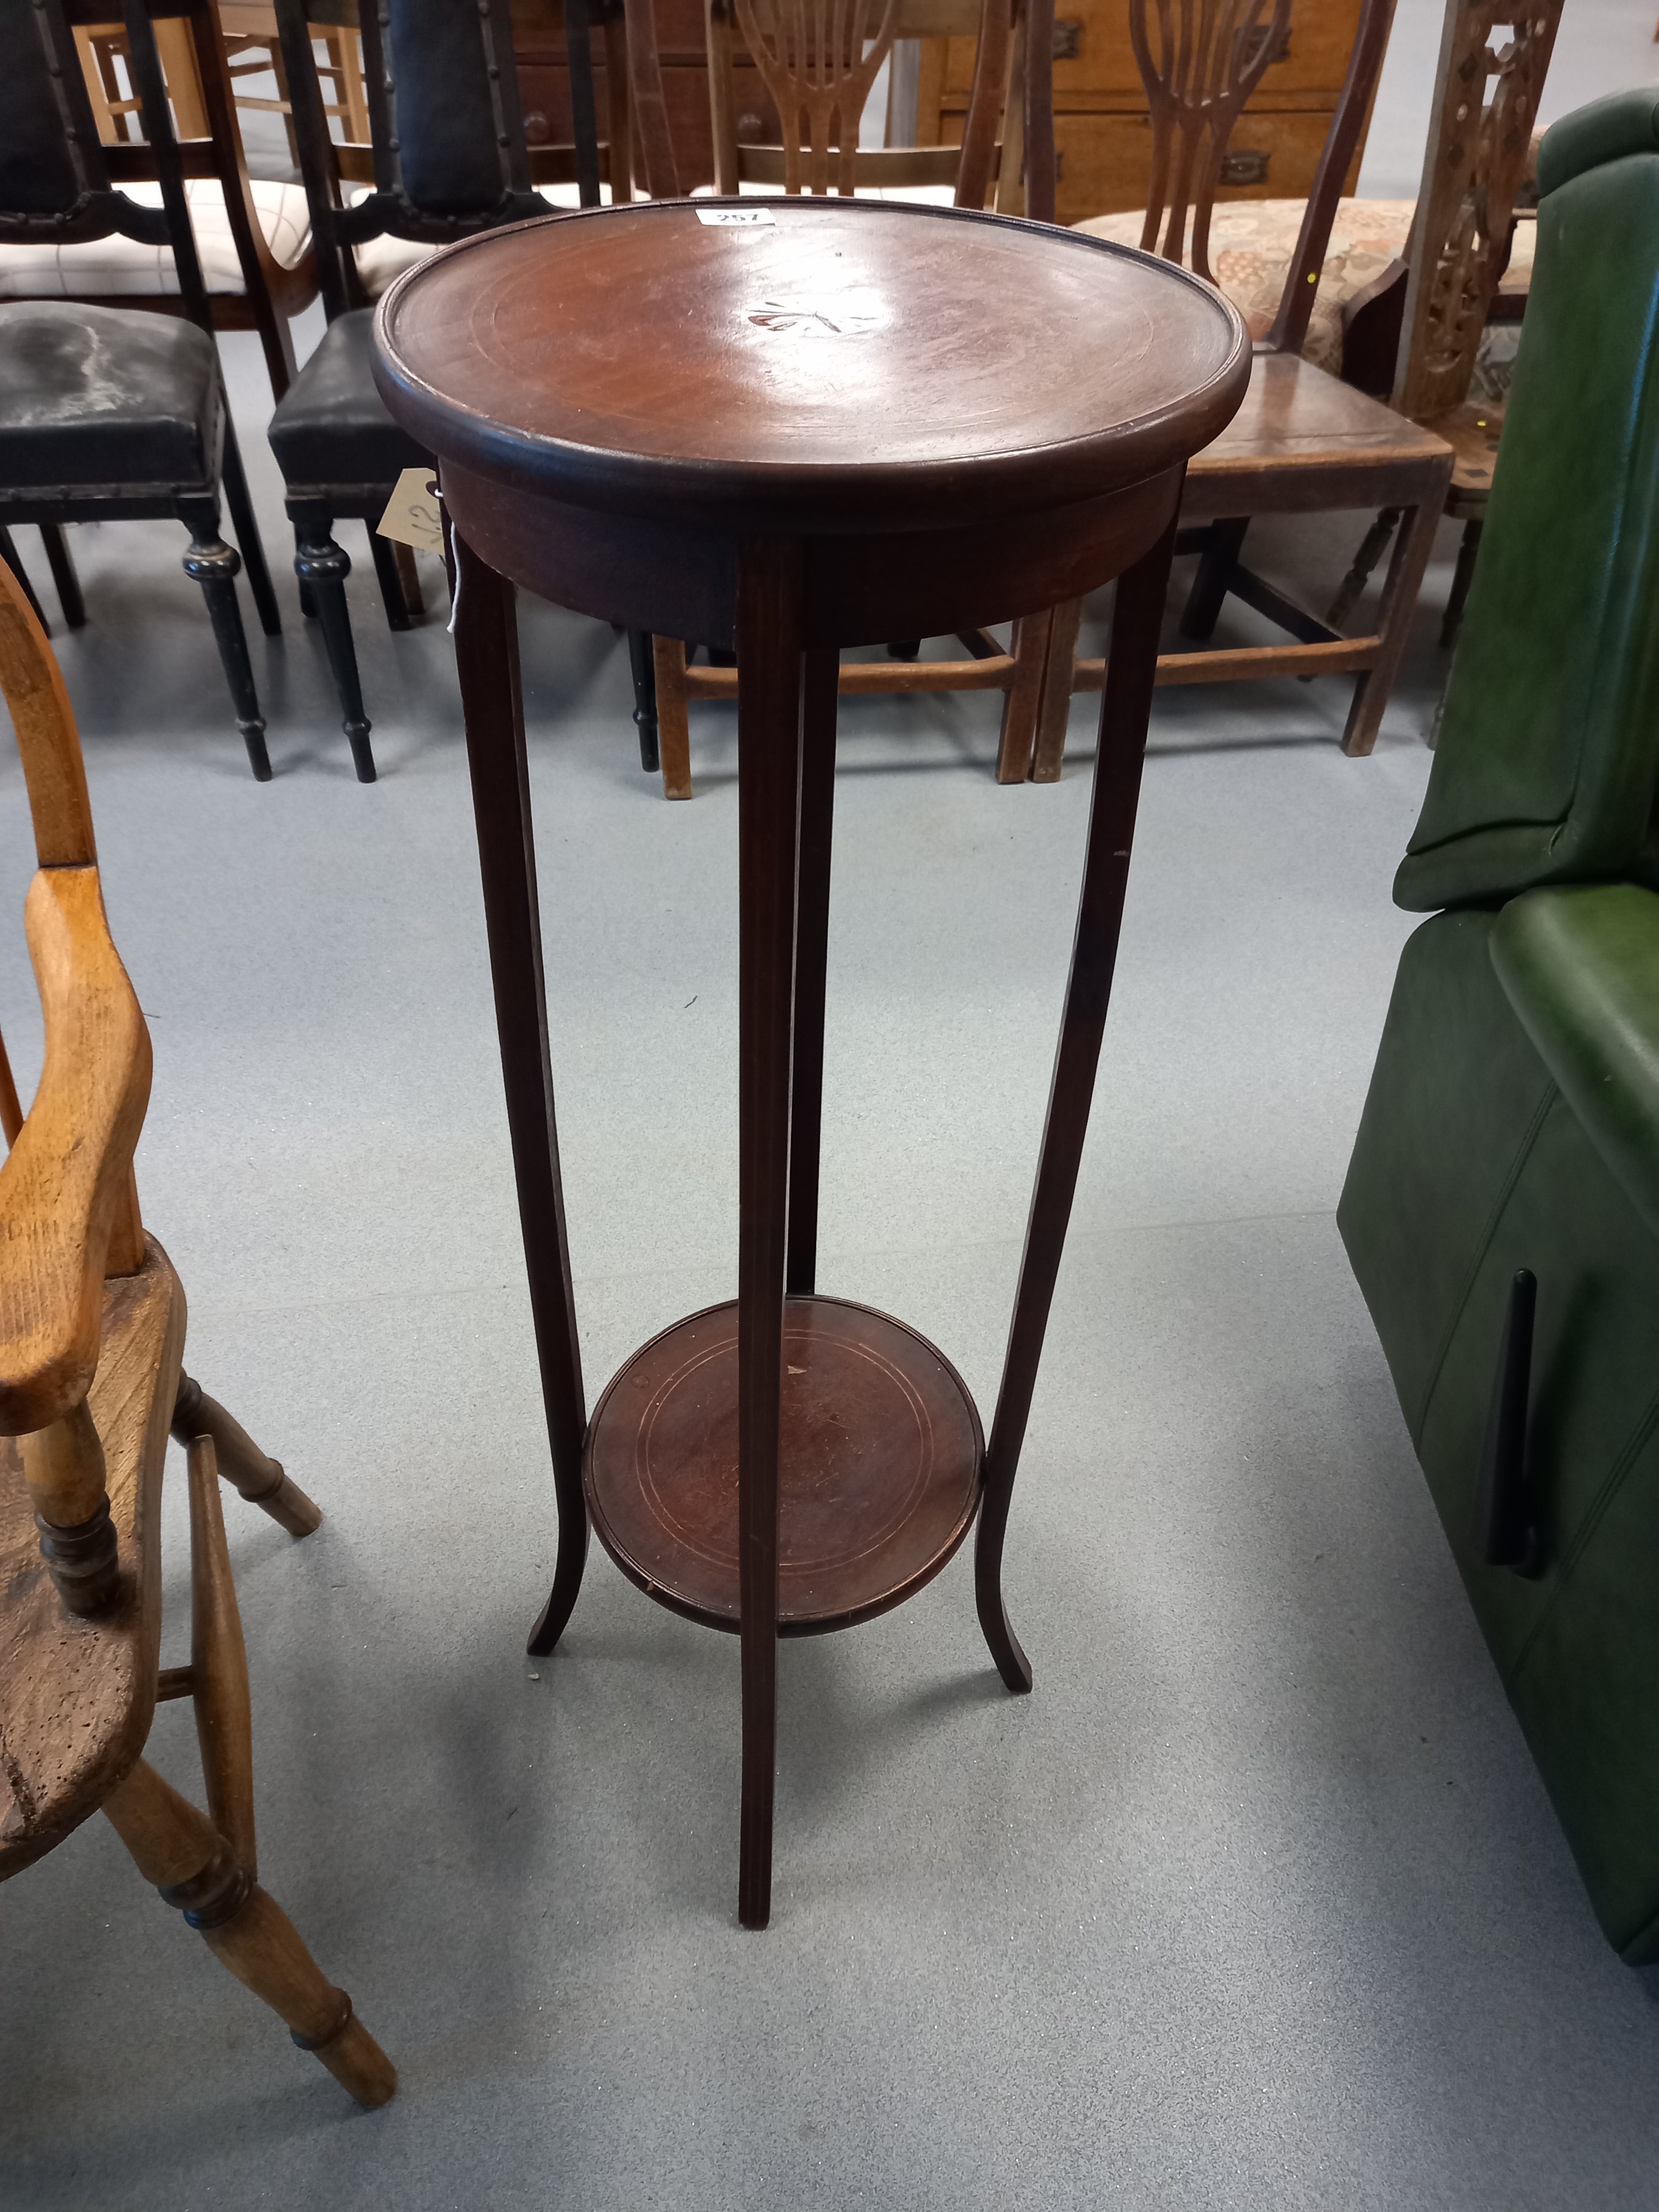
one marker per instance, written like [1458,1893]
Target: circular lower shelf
[881,1454]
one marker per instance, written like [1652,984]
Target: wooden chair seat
[76,1696]
[1298,415]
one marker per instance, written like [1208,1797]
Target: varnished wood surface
[76,1696]
[1295,414]
[851,362]
[879,1460]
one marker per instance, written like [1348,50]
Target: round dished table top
[824,364]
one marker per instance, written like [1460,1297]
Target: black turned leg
[1462,577]
[643,662]
[1224,542]
[13,561]
[904,649]
[1131,670]
[247,533]
[770,699]
[1371,549]
[324,566]
[487,661]
[214,565]
[61,561]
[818,810]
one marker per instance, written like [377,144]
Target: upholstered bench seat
[103,395]
[107,267]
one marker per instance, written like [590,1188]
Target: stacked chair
[1502,1209]
[450,158]
[92,1339]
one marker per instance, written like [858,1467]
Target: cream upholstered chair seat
[106,267]
[1252,243]
[383,259]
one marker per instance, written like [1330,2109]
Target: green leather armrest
[1581,969]
[1548,755]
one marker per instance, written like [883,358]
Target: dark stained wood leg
[1462,576]
[247,528]
[1022,702]
[486,659]
[770,719]
[214,565]
[1125,703]
[1394,622]
[61,561]
[389,574]
[1224,543]
[817,806]
[322,566]
[641,662]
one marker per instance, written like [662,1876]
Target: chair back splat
[819,64]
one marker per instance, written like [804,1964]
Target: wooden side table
[842,421]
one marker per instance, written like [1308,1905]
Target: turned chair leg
[641,661]
[323,565]
[61,561]
[179,1850]
[673,716]
[1371,549]
[214,565]
[400,585]
[249,1471]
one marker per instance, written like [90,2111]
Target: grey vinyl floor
[1257,1901]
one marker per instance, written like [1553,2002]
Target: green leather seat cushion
[1581,968]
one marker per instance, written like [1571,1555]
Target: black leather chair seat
[332,426]
[103,395]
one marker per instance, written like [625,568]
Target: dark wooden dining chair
[818,70]
[1304,442]
[1483,128]
[251,239]
[449,158]
[91,1383]
[113,414]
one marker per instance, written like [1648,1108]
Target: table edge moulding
[788,1462]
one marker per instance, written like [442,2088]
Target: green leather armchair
[1512,1125]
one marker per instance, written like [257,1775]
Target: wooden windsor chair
[818,67]
[1304,442]
[92,1338]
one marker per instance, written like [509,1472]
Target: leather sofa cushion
[1548,754]
[105,267]
[332,426]
[105,395]
[1581,969]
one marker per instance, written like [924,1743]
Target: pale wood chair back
[1493,60]
[1200,61]
[819,58]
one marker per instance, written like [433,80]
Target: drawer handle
[1247,166]
[1068,38]
[1258,38]
[537,128]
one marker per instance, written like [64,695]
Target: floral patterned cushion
[1251,244]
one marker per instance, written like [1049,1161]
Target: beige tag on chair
[411,514]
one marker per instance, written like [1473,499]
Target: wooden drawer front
[544,93]
[1321,34]
[1106,160]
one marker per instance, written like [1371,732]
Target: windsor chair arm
[65,1187]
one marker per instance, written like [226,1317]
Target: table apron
[680,581]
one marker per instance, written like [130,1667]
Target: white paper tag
[737,218]
[411,514]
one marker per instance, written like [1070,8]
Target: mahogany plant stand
[846,421]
